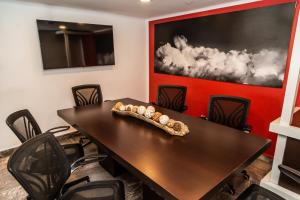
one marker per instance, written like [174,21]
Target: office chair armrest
[203,117]
[86,160]
[58,129]
[104,189]
[247,128]
[290,172]
[68,185]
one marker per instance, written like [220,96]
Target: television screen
[68,45]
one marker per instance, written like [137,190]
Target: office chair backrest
[87,94]
[171,97]
[23,124]
[229,111]
[40,166]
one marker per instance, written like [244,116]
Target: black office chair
[25,127]
[172,97]
[87,94]
[84,95]
[229,111]
[48,180]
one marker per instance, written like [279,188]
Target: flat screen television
[69,45]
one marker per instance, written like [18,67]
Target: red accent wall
[266,103]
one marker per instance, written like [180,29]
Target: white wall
[24,83]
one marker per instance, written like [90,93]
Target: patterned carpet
[11,190]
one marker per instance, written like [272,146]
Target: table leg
[110,165]
[149,194]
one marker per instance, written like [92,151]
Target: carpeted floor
[11,190]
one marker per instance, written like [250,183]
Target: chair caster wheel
[231,189]
[245,175]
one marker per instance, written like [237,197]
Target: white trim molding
[282,126]
[281,191]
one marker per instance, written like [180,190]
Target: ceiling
[134,7]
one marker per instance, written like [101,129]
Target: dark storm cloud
[253,29]
[248,47]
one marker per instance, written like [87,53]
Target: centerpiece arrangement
[149,115]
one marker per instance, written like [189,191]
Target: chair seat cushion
[255,192]
[100,190]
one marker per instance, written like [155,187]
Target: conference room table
[194,166]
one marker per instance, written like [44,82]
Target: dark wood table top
[189,167]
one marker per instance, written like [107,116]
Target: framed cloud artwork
[246,47]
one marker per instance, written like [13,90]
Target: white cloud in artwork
[264,67]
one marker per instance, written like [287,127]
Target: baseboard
[266,159]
